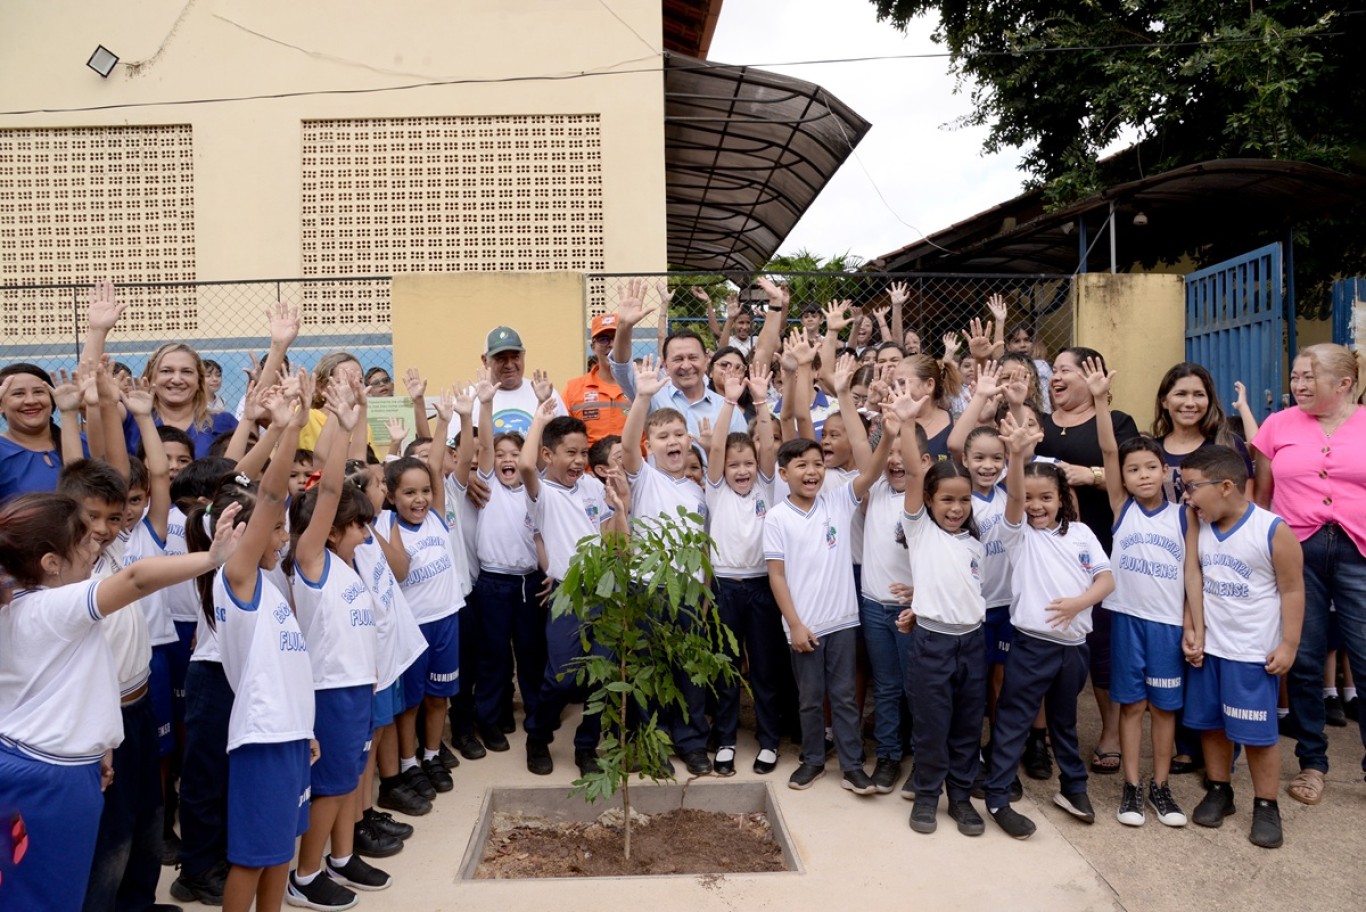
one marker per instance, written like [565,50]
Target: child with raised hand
[1059,571]
[658,493]
[433,593]
[336,612]
[946,659]
[564,510]
[1245,594]
[265,659]
[810,567]
[59,698]
[465,520]
[511,616]
[739,494]
[1147,607]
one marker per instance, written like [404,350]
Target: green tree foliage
[1194,80]
[637,637]
[813,279]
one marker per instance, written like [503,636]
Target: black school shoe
[373,844]
[1015,824]
[885,775]
[1266,824]
[321,893]
[357,874]
[470,748]
[804,775]
[697,762]
[766,762]
[857,781]
[494,740]
[538,758]
[438,775]
[1037,762]
[170,849]
[1215,806]
[447,756]
[969,822]
[386,824]
[924,816]
[416,779]
[724,764]
[1077,804]
[586,761]
[206,888]
[400,797]
[1334,712]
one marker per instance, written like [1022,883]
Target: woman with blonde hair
[1308,460]
[180,399]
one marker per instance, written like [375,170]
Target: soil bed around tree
[707,829]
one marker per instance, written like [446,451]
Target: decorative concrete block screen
[447,194]
[89,203]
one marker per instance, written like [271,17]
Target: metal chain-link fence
[225,322]
[936,304]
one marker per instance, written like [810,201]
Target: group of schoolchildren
[296,628]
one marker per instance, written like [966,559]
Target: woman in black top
[1069,436]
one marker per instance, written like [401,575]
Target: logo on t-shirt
[591,508]
[976,569]
[509,420]
[830,537]
[760,508]
[281,613]
[1085,558]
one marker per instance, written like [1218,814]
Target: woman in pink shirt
[1310,470]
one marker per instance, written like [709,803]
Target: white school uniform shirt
[432,586]
[885,558]
[265,659]
[59,696]
[182,600]
[563,516]
[504,540]
[462,518]
[815,550]
[125,631]
[656,496]
[736,523]
[948,575]
[1242,603]
[1046,565]
[398,639]
[336,613]
[142,541]
[989,512]
[1148,560]
[838,478]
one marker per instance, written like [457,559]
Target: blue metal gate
[1235,322]
[1346,292]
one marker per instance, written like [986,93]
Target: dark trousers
[128,849]
[747,607]
[512,624]
[688,724]
[460,710]
[947,686]
[204,776]
[827,673]
[558,689]
[1037,670]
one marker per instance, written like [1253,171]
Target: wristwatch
[1099,476]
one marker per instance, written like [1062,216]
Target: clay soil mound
[683,841]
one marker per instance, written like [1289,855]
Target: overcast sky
[931,174]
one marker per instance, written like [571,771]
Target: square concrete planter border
[555,803]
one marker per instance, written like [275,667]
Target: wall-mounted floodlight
[1140,219]
[103,61]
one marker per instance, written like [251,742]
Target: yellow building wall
[1137,321]
[202,57]
[441,321]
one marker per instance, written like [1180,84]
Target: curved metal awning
[745,152]
[1213,204]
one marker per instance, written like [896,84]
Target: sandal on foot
[1307,787]
[1104,762]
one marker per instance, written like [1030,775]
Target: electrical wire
[699,65]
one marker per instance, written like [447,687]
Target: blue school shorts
[341,724]
[1146,662]
[159,687]
[50,816]
[268,792]
[1239,697]
[1000,634]
[436,673]
[387,704]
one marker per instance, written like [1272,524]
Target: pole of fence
[76,322]
[1290,306]
[1113,226]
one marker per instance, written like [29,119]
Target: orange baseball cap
[604,323]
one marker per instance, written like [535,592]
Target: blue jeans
[128,851]
[887,655]
[1334,574]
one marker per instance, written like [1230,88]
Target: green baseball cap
[503,339]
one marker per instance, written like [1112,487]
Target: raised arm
[843,372]
[648,382]
[763,418]
[141,578]
[974,415]
[283,321]
[66,398]
[775,318]
[463,397]
[1098,382]
[484,391]
[1020,445]
[716,449]
[836,318]
[312,540]
[631,310]
[105,310]
[139,401]
[417,391]
[528,462]
[997,305]
[908,409]
[979,341]
[436,455]
[900,293]
[115,446]
[1240,405]
[251,418]
[870,472]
